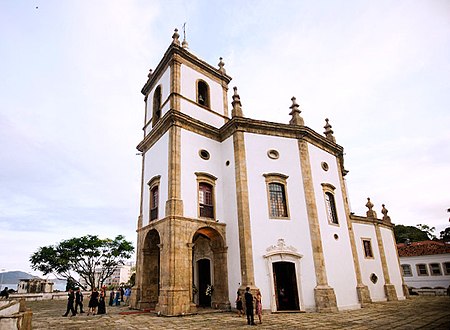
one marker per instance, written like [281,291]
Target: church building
[229,202]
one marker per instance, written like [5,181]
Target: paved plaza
[419,312]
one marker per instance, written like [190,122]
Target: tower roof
[181,54]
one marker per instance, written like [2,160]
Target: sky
[71,111]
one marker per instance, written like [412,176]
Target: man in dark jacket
[79,301]
[249,306]
[70,303]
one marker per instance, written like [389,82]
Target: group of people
[97,300]
[252,304]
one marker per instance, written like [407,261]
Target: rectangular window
[446,268]
[205,199]
[367,248]
[422,270]
[154,193]
[435,269]
[406,270]
[278,208]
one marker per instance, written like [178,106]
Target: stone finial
[221,65]
[150,73]
[237,110]
[295,113]
[328,131]
[385,211]
[185,44]
[370,213]
[176,37]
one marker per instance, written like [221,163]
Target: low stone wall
[14,315]
[39,296]
[430,292]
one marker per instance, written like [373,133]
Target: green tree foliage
[445,234]
[414,234]
[83,256]
[429,230]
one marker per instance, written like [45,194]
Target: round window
[227,163]
[324,166]
[204,154]
[273,154]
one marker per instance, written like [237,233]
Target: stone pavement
[419,312]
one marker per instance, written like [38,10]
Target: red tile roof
[422,248]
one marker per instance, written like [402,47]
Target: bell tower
[181,243]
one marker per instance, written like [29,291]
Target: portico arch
[151,269]
[209,267]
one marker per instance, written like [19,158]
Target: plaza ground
[419,312]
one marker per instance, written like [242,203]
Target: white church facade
[229,202]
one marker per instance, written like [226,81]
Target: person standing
[101,302]
[258,305]
[117,298]
[70,301]
[249,307]
[121,293]
[112,294]
[93,302]
[127,295]
[79,300]
[239,306]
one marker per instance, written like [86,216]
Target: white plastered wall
[393,265]
[266,231]
[164,82]
[155,163]
[189,79]
[337,251]
[370,265]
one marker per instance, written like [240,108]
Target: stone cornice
[243,124]
[177,53]
[365,220]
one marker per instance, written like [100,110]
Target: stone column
[389,289]
[174,203]
[174,298]
[361,289]
[220,295]
[324,294]
[245,236]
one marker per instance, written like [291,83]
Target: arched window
[331,208]
[330,203]
[156,105]
[153,185]
[277,195]
[205,200]
[203,93]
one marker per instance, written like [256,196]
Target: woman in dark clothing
[101,303]
[93,302]
[112,294]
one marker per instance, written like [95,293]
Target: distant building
[425,264]
[34,285]
[120,275]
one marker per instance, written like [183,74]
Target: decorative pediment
[282,248]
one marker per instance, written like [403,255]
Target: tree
[445,234]
[411,233]
[429,230]
[92,258]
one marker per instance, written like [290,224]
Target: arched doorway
[285,281]
[209,268]
[151,270]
